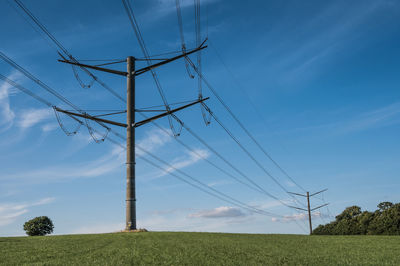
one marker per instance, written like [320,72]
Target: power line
[139,37]
[155,106]
[165,53]
[230,199]
[202,184]
[45,102]
[198,68]
[65,51]
[241,146]
[204,158]
[100,110]
[102,60]
[200,78]
[26,91]
[183,44]
[246,151]
[50,90]
[36,80]
[197,23]
[31,25]
[256,188]
[258,113]
[112,63]
[238,121]
[227,162]
[220,195]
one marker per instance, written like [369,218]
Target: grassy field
[166,248]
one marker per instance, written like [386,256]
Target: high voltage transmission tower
[131,124]
[309,210]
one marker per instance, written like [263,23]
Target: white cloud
[265,205]
[321,39]
[192,158]
[104,165]
[10,212]
[182,162]
[49,127]
[31,117]
[290,183]
[219,183]
[220,212]
[180,220]
[154,139]
[297,217]
[376,118]
[166,7]
[381,117]
[6,114]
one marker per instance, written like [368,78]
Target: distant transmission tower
[309,210]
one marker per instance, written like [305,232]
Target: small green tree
[39,226]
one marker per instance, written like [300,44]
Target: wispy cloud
[166,7]
[153,140]
[192,158]
[49,127]
[377,118]
[220,212]
[104,165]
[321,38]
[270,204]
[219,183]
[182,162]
[380,117]
[298,217]
[185,219]
[30,117]
[11,211]
[157,138]
[6,114]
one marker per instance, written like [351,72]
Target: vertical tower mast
[309,211]
[130,146]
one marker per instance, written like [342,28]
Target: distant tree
[39,226]
[349,213]
[384,205]
[352,221]
[346,223]
[326,229]
[387,222]
[364,221]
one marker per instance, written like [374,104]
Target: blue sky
[316,82]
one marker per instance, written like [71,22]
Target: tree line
[352,221]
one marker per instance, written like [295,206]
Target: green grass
[166,248]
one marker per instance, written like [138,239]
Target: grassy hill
[167,248]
